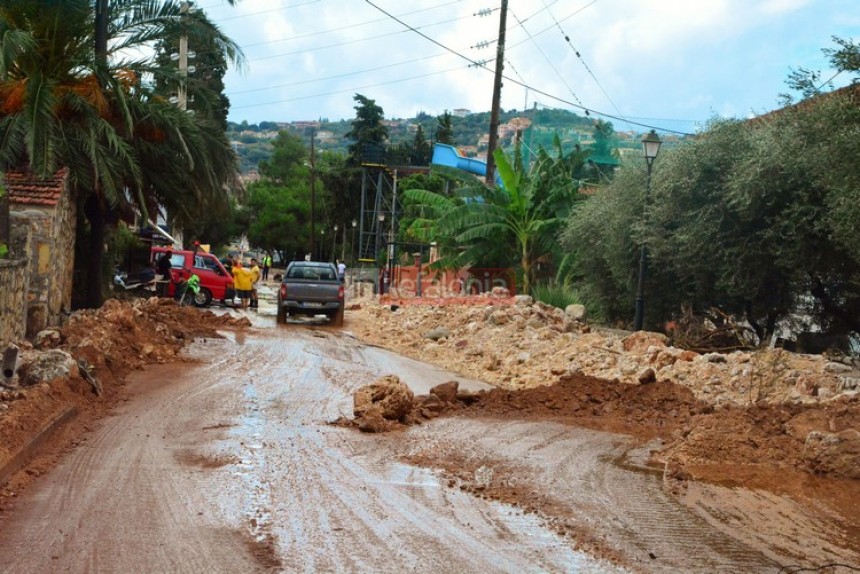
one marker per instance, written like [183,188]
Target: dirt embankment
[763,419]
[80,370]
[773,420]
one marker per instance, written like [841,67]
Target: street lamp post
[334,242]
[313,191]
[352,243]
[381,218]
[651,144]
[322,236]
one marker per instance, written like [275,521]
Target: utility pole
[497,96]
[102,9]
[391,236]
[313,189]
[183,63]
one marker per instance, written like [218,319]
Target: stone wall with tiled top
[50,253]
[42,219]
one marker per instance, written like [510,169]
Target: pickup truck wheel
[282,315]
[203,297]
[336,318]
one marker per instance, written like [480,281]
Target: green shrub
[556,294]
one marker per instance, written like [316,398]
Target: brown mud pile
[769,420]
[107,344]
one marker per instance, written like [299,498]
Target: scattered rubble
[84,364]
[528,344]
[767,407]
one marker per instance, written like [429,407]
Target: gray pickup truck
[311,288]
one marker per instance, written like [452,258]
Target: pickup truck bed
[311,288]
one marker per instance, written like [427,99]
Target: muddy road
[229,465]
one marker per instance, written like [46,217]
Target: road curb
[20,458]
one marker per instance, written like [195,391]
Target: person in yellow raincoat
[255,278]
[243,281]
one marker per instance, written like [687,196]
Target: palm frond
[39,114]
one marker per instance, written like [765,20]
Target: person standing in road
[341,271]
[163,267]
[255,278]
[243,283]
[267,264]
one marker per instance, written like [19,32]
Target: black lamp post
[352,243]
[651,144]
[381,218]
[334,242]
[322,236]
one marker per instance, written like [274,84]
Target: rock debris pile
[71,367]
[768,407]
[528,344]
[388,403]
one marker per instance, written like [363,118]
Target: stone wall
[14,287]
[13,300]
[50,253]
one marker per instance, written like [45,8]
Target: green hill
[253,142]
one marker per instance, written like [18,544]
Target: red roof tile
[27,188]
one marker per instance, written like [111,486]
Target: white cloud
[668,59]
[780,6]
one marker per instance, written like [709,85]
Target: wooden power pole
[497,96]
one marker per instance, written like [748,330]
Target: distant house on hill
[326,136]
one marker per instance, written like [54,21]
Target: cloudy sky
[671,64]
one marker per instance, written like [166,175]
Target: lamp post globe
[651,147]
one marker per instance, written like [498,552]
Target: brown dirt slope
[111,342]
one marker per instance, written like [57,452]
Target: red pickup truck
[215,282]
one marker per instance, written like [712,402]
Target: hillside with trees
[254,142]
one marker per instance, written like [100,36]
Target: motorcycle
[187,290]
[140,283]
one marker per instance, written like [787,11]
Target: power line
[550,27]
[269,11]
[337,76]
[341,44]
[350,42]
[522,84]
[347,90]
[551,65]
[350,26]
[581,59]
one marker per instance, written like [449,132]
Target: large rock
[373,421]
[833,454]
[447,392]
[388,394]
[47,339]
[639,341]
[575,312]
[438,333]
[45,366]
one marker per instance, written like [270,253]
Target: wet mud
[228,464]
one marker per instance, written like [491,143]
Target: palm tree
[525,212]
[72,97]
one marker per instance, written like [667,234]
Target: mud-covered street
[229,464]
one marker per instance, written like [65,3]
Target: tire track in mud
[335,511]
[583,488]
[120,503]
